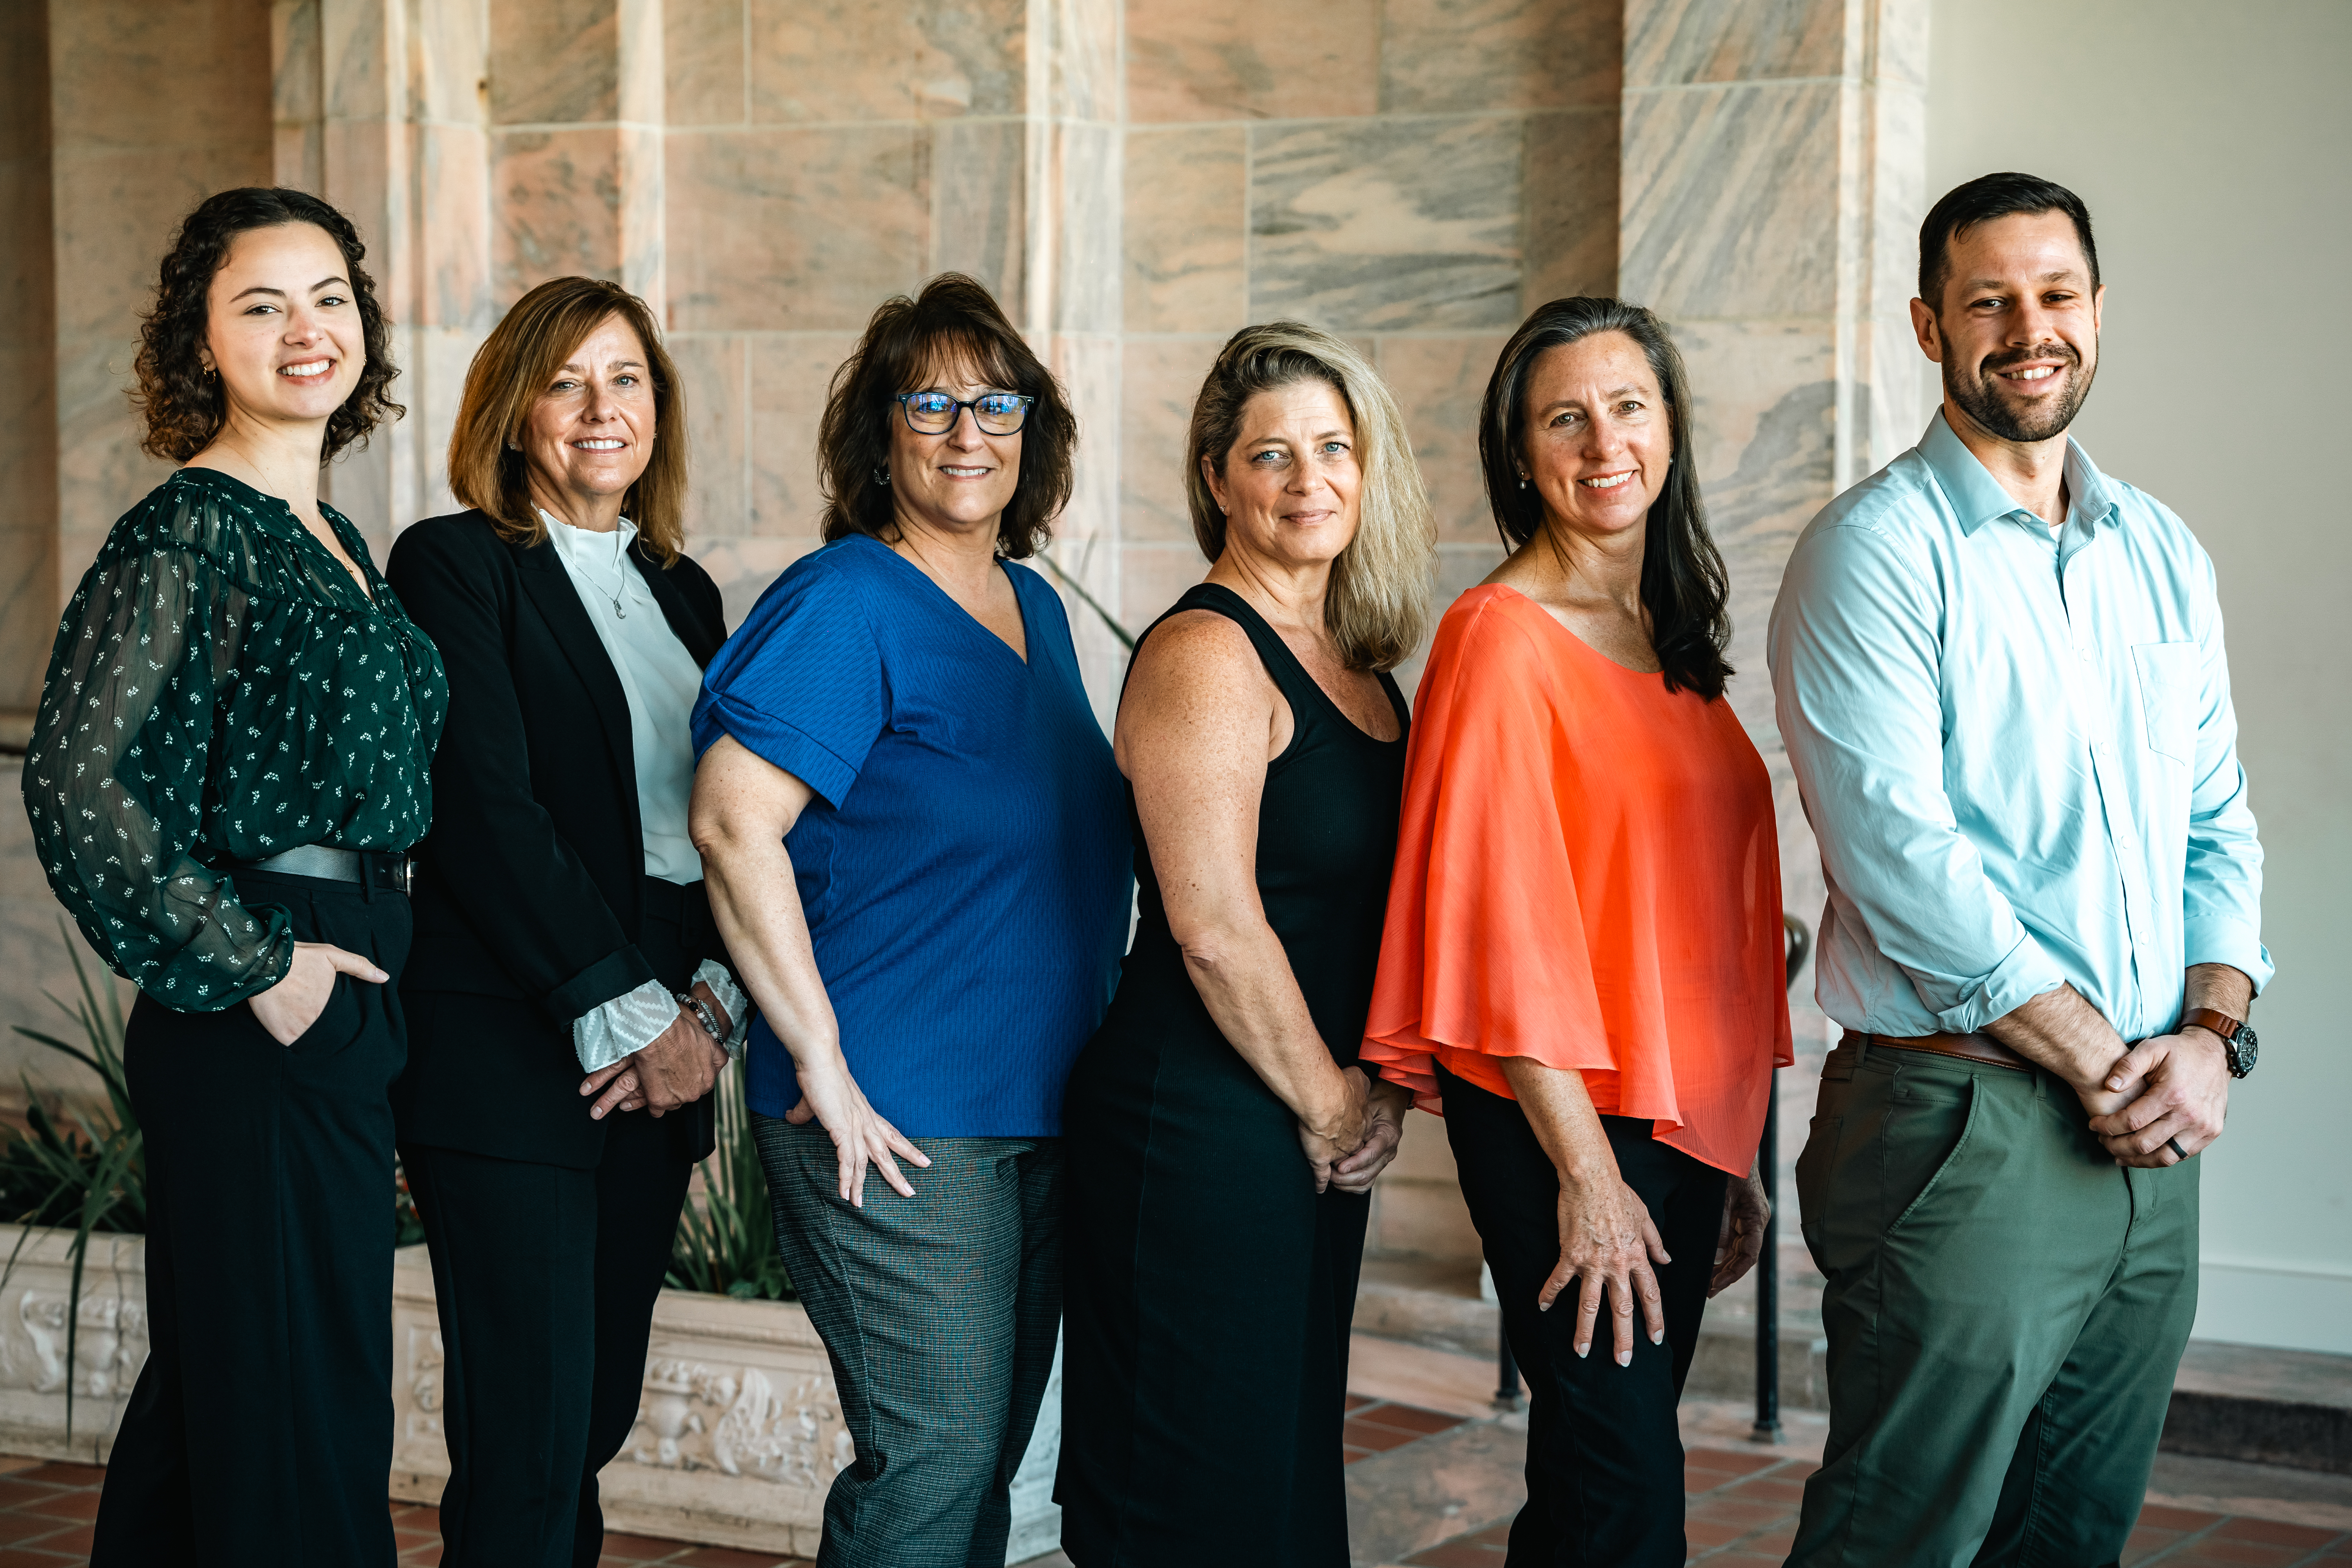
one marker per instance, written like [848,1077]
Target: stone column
[1774,154]
[28,363]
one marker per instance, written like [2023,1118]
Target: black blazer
[531,883]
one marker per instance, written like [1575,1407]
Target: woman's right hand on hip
[831,1097]
[289,1008]
[1607,1241]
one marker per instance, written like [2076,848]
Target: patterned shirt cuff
[623,1027]
[714,974]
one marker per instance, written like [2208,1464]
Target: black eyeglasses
[934,413]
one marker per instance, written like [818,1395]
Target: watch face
[2243,1051]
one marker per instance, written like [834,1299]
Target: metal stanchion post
[1768,1266]
[1507,1369]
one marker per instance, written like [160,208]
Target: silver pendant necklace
[620,566]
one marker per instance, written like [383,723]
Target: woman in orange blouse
[1582,966]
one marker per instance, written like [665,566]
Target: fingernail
[1624,1358]
[1658,1337]
[1583,1351]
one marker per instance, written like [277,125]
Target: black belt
[389,869]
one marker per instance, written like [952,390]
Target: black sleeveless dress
[1209,1287]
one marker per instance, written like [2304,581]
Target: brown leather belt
[1971,1047]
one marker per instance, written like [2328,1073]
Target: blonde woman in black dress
[1222,1140]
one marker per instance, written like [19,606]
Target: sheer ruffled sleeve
[1483,947]
[116,771]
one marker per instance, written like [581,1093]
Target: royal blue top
[964,867]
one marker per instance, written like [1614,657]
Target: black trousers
[546,1277]
[1604,1453]
[260,1431]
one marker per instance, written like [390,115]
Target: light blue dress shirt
[2016,747]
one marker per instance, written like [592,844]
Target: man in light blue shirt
[2001,680]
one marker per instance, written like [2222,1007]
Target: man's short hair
[1982,199]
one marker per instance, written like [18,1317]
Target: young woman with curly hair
[229,762]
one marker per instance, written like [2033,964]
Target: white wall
[2214,146]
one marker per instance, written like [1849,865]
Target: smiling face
[1597,441]
[961,480]
[283,327]
[1291,481]
[2017,332]
[591,433]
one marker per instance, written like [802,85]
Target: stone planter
[110,1346]
[737,1436]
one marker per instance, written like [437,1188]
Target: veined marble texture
[1670,41]
[979,205]
[1158,379]
[706,62]
[786,229]
[712,370]
[790,374]
[1571,236]
[852,60]
[1249,60]
[555,61]
[558,198]
[1395,225]
[1439,384]
[1479,55]
[1084,212]
[1731,200]
[1082,78]
[1185,219]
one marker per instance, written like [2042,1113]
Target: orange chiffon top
[1588,874]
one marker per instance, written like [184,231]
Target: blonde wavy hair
[1378,602]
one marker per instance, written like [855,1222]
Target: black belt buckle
[389,869]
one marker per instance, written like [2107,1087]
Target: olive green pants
[2005,1307]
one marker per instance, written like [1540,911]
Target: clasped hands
[674,1068]
[2167,1088]
[1355,1145]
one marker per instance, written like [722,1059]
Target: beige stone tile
[555,61]
[789,375]
[744,567]
[29,603]
[979,205]
[453,185]
[1672,41]
[847,59]
[115,214]
[781,230]
[1367,226]
[1153,576]
[298,84]
[1185,223]
[128,75]
[1083,73]
[298,157]
[1439,384]
[358,53]
[705,63]
[1571,206]
[712,374]
[1730,201]
[1087,168]
[1159,380]
[1444,1381]
[1479,55]
[556,203]
[1233,59]
[1088,369]
[433,388]
[1423,1154]
[643,217]
[367,168]
[1423,1220]
[446,77]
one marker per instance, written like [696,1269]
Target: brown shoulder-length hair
[509,372]
[183,406]
[953,321]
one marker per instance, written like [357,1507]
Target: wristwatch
[2236,1038]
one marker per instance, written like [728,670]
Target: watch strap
[2218,1022]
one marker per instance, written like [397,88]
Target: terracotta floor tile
[1406,1417]
[640,1548]
[16,1527]
[73,1542]
[2186,1518]
[1495,1535]
[1724,1509]
[1457,1554]
[727,1557]
[2212,1552]
[1724,1459]
[1380,1440]
[1803,1469]
[1355,1402]
[13,1491]
[1705,1534]
[59,1474]
[64,1505]
[1349,1455]
[26,1557]
[427,1555]
[2147,1541]
[1741,1559]
[1774,1488]
[2274,1532]
[9,1462]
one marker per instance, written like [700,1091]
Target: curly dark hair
[953,319]
[185,407]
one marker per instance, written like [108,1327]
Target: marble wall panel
[29,601]
[1729,201]
[453,186]
[297,86]
[744,567]
[433,388]
[1571,206]
[789,375]
[363,59]
[644,214]
[920,59]
[1674,41]
[556,202]
[1085,535]
[125,74]
[1479,55]
[706,62]
[712,371]
[781,230]
[1390,225]
[1460,568]
[1082,78]
[1185,220]
[1158,379]
[980,171]
[555,61]
[445,74]
[1152,576]
[1439,384]
[1086,215]
[1252,60]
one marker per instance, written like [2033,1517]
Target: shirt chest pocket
[2168,692]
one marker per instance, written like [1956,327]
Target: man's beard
[1980,397]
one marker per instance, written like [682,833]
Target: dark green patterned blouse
[221,689]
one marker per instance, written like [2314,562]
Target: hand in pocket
[289,1008]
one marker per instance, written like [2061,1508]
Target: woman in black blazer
[568,998]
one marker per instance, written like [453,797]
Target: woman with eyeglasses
[913,834]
